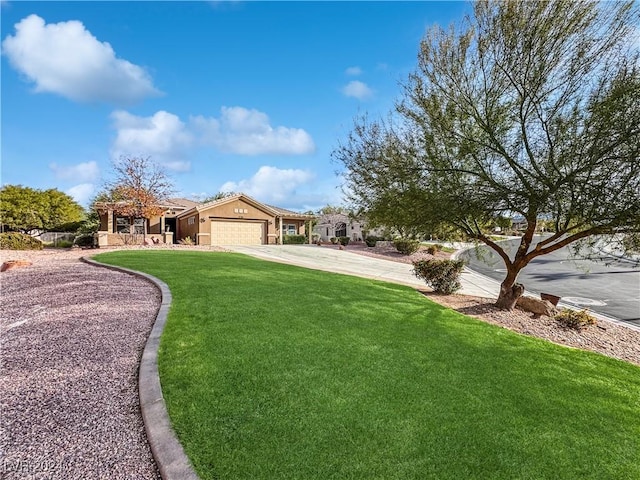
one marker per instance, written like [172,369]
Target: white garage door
[236,233]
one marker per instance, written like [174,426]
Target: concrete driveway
[344,261]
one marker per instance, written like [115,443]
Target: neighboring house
[235,220]
[336,225]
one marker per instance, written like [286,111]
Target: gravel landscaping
[72,337]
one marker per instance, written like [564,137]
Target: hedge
[19,241]
[294,239]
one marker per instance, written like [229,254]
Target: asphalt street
[609,286]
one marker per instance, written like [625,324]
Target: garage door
[236,233]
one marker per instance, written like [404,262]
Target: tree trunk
[510,291]
[509,295]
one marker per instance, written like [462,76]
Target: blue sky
[240,96]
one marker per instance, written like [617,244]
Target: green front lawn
[272,371]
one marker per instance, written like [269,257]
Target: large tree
[531,109]
[30,210]
[381,184]
[137,189]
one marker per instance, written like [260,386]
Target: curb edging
[166,449]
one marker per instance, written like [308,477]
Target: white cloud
[82,193]
[271,184]
[163,137]
[65,58]
[248,132]
[353,71]
[358,90]
[82,172]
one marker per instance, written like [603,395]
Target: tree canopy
[29,210]
[528,108]
[217,196]
[137,190]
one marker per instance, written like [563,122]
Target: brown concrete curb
[165,447]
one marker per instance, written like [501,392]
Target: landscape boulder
[8,265]
[537,307]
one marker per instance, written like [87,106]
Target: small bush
[62,244]
[433,249]
[631,242]
[441,275]
[294,239]
[84,240]
[372,240]
[344,241]
[333,240]
[186,241]
[19,241]
[575,319]
[406,246]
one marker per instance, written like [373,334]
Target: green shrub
[84,240]
[333,240]
[186,241]
[344,241]
[576,319]
[372,240]
[433,249]
[441,275]
[19,241]
[294,239]
[631,242]
[406,246]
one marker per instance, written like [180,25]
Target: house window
[341,229]
[138,225]
[290,229]
[123,225]
[191,220]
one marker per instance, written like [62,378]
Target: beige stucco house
[234,220]
[342,225]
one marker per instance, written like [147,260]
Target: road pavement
[610,286]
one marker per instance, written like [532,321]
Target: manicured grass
[272,371]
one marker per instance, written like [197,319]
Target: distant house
[519,223]
[234,220]
[336,225]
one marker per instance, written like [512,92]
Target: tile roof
[274,210]
[284,211]
[180,202]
